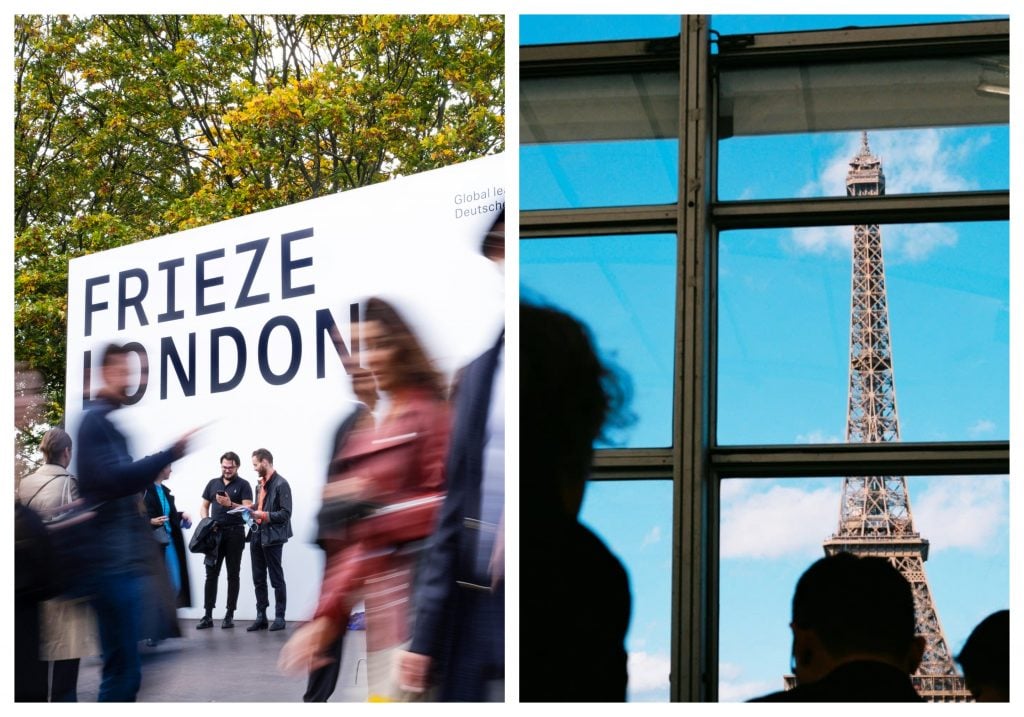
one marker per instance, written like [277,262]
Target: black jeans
[267,559]
[232,545]
[64,683]
[322,681]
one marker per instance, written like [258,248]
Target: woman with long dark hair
[393,476]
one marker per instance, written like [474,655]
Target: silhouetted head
[848,608]
[567,396]
[985,659]
[393,352]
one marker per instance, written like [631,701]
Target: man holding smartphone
[224,493]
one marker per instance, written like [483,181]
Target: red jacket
[403,462]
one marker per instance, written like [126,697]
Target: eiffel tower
[875,517]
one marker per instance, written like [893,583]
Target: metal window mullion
[961,458]
[597,58]
[692,642]
[632,464]
[550,223]
[841,211]
[865,44]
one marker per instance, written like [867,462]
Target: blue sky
[783,356]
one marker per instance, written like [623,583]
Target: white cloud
[731,688]
[914,161]
[960,512]
[914,242]
[653,536]
[981,427]
[743,691]
[732,489]
[779,521]
[833,241]
[927,160]
[900,242]
[648,673]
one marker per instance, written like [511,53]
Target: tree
[130,127]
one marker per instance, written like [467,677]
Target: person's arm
[246,498]
[105,468]
[204,509]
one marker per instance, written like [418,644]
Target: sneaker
[204,623]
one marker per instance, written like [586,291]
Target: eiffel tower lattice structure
[874,516]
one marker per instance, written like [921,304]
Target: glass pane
[591,174]
[549,29]
[634,518]
[955,91]
[600,140]
[744,24]
[634,105]
[784,332]
[623,288]
[772,530]
[950,159]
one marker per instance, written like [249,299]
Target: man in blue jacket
[110,479]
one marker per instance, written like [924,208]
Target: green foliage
[129,127]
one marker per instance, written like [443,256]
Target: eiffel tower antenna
[874,514]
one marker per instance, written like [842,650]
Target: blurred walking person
[397,469]
[458,641]
[335,518]
[67,626]
[124,551]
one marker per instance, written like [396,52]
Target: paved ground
[218,665]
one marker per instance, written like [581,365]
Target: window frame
[696,463]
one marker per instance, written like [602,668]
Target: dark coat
[862,681]
[154,510]
[574,609]
[107,473]
[461,628]
[278,527]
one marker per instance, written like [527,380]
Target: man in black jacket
[272,514]
[853,634]
[124,548]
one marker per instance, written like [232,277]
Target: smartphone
[223,493]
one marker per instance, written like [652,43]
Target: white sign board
[233,321]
